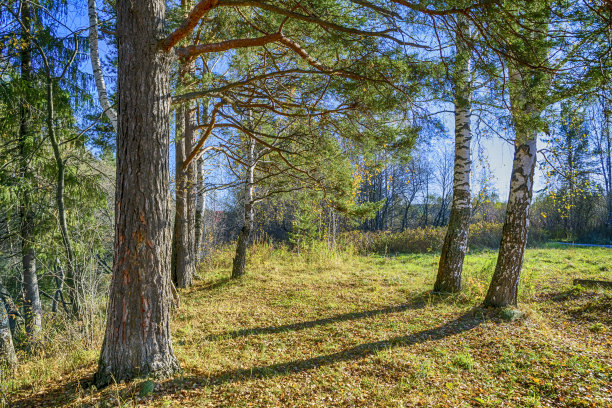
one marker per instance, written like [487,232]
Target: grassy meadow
[335,329]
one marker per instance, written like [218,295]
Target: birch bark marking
[455,242]
[96,66]
[528,90]
[137,339]
[503,290]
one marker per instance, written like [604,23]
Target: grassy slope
[315,330]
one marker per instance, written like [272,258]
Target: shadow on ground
[468,321]
[464,323]
[418,302]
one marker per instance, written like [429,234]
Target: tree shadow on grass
[212,285]
[417,302]
[466,322]
[51,397]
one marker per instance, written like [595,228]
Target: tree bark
[200,208]
[10,307]
[528,90]
[137,339]
[455,242]
[503,290]
[7,351]
[96,67]
[239,264]
[183,238]
[32,305]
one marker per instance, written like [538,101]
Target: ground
[327,329]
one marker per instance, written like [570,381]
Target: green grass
[334,329]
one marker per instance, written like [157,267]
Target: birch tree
[528,90]
[94,54]
[455,241]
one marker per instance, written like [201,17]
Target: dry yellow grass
[332,329]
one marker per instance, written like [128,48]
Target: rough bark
[455,242]
[96,66]
[239,264]
[137,340]
[503,290]
[32,306]
[7,351]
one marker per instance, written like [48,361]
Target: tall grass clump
[483,235]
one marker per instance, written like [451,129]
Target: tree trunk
[137,340]
[455,241]
[191,174]
[32,305]
[71,279]
[10,307]
[183,238]
[58,297]
[245,233]
[200,207]
[503,289]
[183,262]
[528,92]
[96,66]
[7,351]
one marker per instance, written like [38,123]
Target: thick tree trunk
[455,241]
[32,305]
[239,265]
[7,351]
[137,340]
[96,66]
[503,290]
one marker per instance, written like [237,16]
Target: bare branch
[192,20]
[195,50]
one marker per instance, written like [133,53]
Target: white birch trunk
[455,243]
[97,67]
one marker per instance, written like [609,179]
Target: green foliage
[305,229]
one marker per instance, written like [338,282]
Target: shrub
[420,240]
